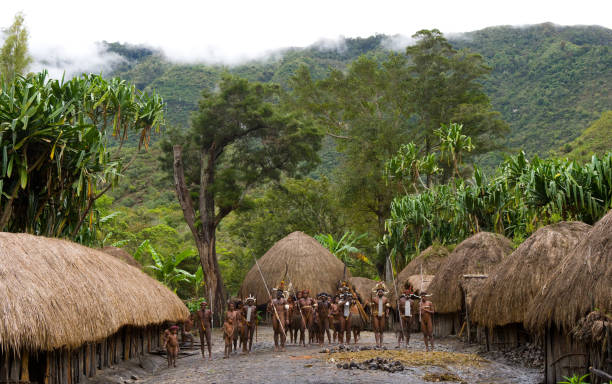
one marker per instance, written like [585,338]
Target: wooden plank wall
[563,356]
[73,366]
[445,324]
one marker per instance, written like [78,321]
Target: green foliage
[520,197]
[595,140]
[165,267]
[305,205]
[575,379]
[55,156]
[346,249]
[14,57]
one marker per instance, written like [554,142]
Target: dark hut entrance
[37,367]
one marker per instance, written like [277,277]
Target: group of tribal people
[294,312]
[297,312]
[344,314]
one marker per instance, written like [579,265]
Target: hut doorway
[37,366]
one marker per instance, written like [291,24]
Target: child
[228,334]
[172,345]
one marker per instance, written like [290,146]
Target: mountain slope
[549,82]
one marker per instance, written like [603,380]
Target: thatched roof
[123,255]
[363,286]
[430,259]
[505,296]
[477,254]
[57,293]
[581,283]
[418,281]
[297,258]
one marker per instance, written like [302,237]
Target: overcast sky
[231,30]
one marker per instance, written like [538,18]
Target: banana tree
[344,248]
[166,267]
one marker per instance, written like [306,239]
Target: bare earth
[308,365]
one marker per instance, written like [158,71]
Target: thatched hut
[503,299]
[298,259]
[427,262]
[476,255]
[122,255]
[68,310]
[581,284]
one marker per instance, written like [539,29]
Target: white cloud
[232,31]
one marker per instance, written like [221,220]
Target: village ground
[307,365]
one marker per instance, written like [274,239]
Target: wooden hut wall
[73,366]
[563,356]
[446,324]
[507,336]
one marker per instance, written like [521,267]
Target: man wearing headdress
[308,304]
[249,313]
[380,312]
[204,317]
[405,315]
[278,308]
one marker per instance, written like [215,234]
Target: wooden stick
[461,331]
[270,295]
[600,373]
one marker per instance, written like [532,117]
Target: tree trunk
[204,234]
[212,278]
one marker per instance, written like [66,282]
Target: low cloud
[93,58]
[398,42]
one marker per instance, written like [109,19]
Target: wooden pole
[25,373]
[47,368]
[269,294]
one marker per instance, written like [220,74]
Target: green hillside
[595,140]
[549,82]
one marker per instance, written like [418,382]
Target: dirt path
[308,365]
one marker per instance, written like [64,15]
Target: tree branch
[338,136]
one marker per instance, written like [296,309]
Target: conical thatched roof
[505,296]
[475,255]
[430,259]
[57,293]
[300,259]
[418,281]
[579,284]
[363,286]
[123,255]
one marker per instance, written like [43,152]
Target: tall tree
[240,138]
[14,57]
[444,86]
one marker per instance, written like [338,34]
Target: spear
[297,303]
[396,295]
[267,290]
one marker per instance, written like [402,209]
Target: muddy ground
[307,365]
